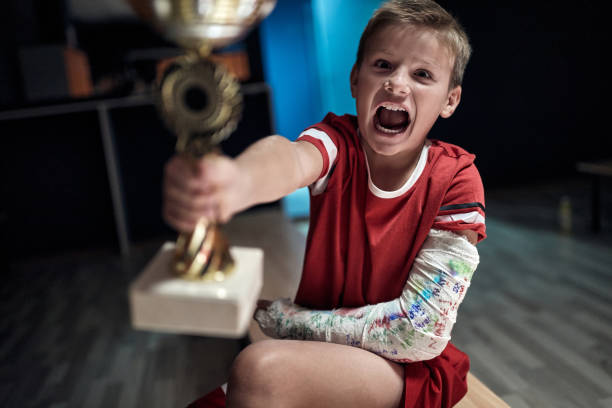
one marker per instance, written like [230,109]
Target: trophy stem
[204,254]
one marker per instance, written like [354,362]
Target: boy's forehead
[383,40]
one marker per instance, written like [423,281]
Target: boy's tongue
[392,119]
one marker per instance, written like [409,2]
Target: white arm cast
[414,327]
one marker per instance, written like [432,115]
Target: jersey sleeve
[325,139]
[463,206]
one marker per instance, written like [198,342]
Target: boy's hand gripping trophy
[201,103]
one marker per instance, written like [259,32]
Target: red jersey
[362,241]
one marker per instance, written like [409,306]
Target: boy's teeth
[394,108]
[392,119]
[385,130]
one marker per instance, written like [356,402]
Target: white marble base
[160,301]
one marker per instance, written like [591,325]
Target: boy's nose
[397,86]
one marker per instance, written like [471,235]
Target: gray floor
[537,321]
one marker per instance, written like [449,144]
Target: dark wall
[53,177]
[535,90]
[55,194]
[533,104]
[54,181]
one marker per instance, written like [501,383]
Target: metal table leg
[114,179]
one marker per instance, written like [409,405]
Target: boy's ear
[454,96]
[354,75]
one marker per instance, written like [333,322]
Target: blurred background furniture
[597,171]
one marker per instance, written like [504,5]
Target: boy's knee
[252,364]
[256,376]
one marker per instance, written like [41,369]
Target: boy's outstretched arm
[217,187]
[414,327]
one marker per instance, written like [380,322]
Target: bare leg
[292,373]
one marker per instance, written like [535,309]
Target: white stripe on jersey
[332,151]
[473,217]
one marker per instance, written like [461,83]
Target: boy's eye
[380,63]
[423,74]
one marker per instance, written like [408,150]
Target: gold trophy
[200,101]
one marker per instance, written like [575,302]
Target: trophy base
[160,301]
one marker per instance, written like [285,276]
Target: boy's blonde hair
[427,14]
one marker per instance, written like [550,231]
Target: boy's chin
[393,145]
[388,136]
[384,147]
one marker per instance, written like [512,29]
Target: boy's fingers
[178,166]
[187,182]
[178,222]
[186,212]
[184,220]
[192,175]
[174,195]
[194,189]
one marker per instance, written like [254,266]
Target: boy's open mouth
[391,119]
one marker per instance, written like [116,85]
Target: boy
[394,222]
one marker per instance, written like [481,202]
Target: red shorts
[440,382]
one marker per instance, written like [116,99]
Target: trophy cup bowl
[212,23]
[214,288]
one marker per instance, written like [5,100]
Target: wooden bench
[480,396]
[596,170]
[283,246]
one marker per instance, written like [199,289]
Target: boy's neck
[390,173]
